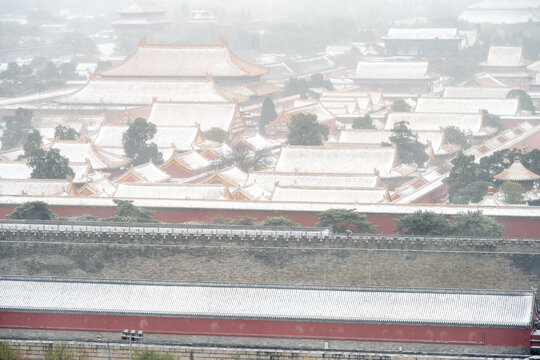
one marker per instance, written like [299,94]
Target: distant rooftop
[422,34]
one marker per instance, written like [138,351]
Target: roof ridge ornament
[223,41]
[142,41]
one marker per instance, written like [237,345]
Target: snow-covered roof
[35,187]
[11,154]
[491,199]
[232,175]
[270,302]
[191,160]
[472,106]
[316,109]
[468,92]
[82,171]
[132,91]
[253,191]
[422,34]
[268,180]
[257,142]
[337,159]
[484,80]
[80,151]
[14,170]
[391,70]
[517,172]
[102,187]
[180,137]
[501,56]
[534,67]
[312,65]
[363,97]
[171,191]
[148,173]
[208,115]
[436,121]
[502,12]
[329,194]
[142,7]
[183,61]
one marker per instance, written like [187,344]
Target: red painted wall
[527,228]
[269,328]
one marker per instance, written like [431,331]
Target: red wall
[269,328]
[527,228]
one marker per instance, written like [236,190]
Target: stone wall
[360,261]
[35,350]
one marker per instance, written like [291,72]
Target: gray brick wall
[361,261]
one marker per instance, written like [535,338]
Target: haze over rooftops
[380,305]
[422,34]
[142,7]
[502,12]
[499,107]
[183,61]
[468,92]
[506,4]
[436,121]
[405,70]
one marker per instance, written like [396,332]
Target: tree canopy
[342,220]
[472,224]
[268,114]
[137,145]
[126,212]
[423,223]
[304,129]
[492,120]
[476,224]
[513,192]
[454,135]
[410,150]
[16,128]
[468,181]
[32,144]
[525,101]
[363,122]
[278,221]
[401,106]
[216,134]
[32,210]
[66,133]
[50,165]
[302,86]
